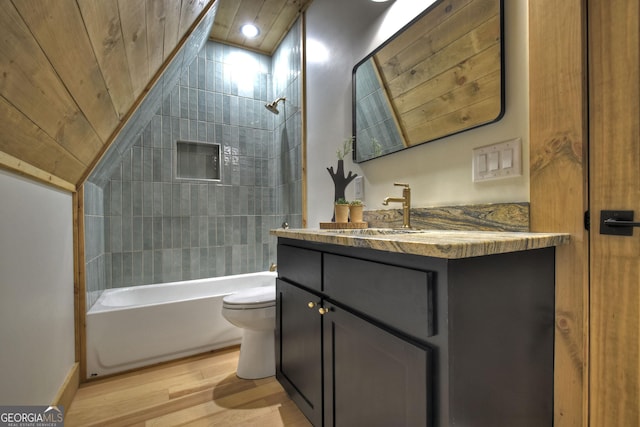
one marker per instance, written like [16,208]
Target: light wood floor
[198,391]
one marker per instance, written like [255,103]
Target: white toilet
[254,310]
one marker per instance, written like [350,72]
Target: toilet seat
[252,298]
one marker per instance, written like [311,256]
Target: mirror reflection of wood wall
[441,75]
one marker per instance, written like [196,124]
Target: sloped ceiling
[71,71]
[273,18]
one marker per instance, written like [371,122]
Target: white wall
[439,172]
[36,291]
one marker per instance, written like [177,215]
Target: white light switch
[497,161]
[358,187]
[507,158]
[494,161]
[482,163]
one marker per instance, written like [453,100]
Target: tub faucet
[406,203]
[273,267]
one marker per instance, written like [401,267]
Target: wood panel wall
[559,187]
[72,70]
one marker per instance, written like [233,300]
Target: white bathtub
[141,325]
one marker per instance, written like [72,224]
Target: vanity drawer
[396,296]
[300,266]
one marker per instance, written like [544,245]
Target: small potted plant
[342,210]
[355,210]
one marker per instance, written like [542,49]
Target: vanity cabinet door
[372,377]
[299,348]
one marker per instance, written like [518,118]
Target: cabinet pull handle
[311,304]
[323,310]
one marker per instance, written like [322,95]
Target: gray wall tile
[159,229]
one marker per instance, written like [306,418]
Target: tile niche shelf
[197,161]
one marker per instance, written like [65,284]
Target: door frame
[559,185]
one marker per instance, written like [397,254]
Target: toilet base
[257,355]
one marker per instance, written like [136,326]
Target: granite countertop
[434,243]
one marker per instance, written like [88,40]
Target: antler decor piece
[340,181]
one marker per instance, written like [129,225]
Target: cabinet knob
[323,310]
[311,304]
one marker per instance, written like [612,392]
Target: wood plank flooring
[198,391]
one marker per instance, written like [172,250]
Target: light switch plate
[498,161]
[358,187]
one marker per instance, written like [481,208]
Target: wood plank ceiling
[273,18]
[72,70]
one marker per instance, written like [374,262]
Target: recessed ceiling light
[250,30]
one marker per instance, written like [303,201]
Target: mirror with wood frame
[443,73]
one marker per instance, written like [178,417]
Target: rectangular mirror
[443,73]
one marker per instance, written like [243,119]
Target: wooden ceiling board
[171,27]
[273,18]
[267,17]
[102,20]
[247,12]
[278,29]
[30,84]
[133,20]
[58,27]
[22,139]
[191,9]
[224,19]
[156,18]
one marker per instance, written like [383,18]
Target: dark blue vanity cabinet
[365,337]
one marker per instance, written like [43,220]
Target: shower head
[273,106]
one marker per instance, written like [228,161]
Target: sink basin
[373,231]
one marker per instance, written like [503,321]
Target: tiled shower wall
[158,228]
[377,132]
[94,220]
[287,83]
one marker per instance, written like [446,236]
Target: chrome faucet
[406,203]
